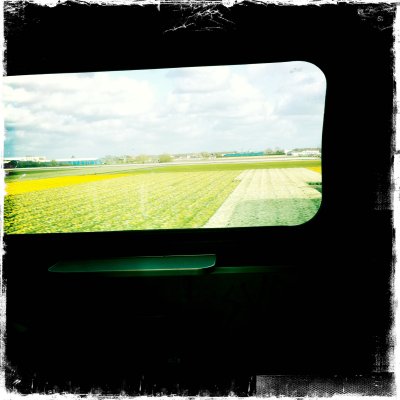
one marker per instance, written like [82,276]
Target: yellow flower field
[316,169]
[51,183]
[167,197]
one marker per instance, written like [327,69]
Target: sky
[215,109]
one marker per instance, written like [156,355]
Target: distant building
[78,161]
[46,162]
[305,153]
[248,154]
[27,158]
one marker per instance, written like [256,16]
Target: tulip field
[169,197]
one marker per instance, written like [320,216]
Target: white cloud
[178,110]
[200,80]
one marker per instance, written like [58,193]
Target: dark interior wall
[326,308]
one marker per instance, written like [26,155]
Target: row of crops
[151,201]
[127,200]
[270,197]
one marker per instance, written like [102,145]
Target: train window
[214,147]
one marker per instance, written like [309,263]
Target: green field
[110,198]
[41,173]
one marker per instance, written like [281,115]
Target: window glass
[213,147]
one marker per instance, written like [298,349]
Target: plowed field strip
[269,197]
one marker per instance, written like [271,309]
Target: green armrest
[158,265]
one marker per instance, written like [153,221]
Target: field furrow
[270,197]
